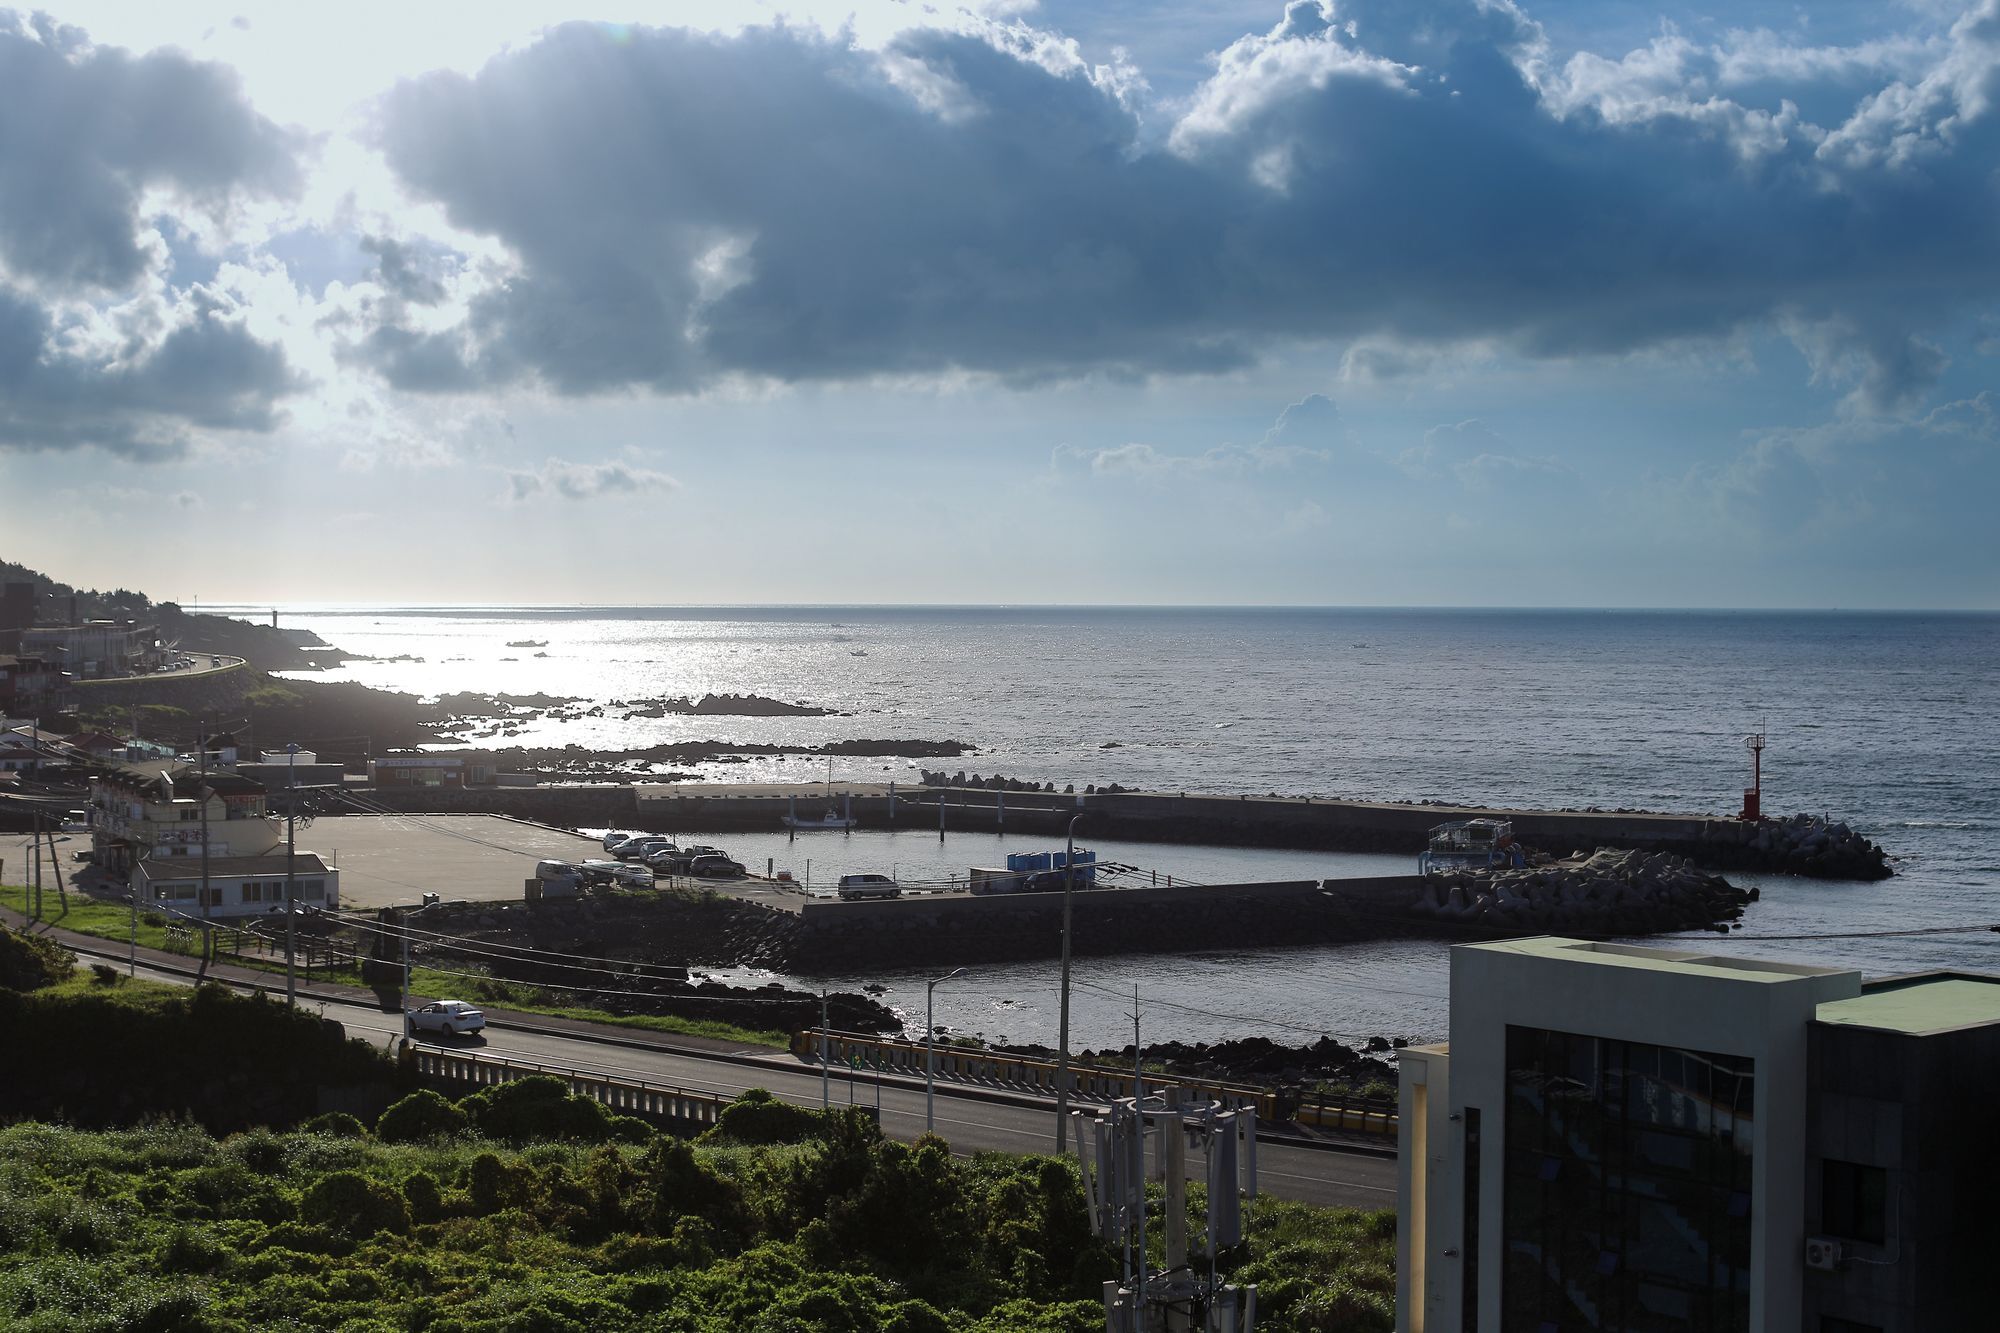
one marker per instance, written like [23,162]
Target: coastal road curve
[970,1124]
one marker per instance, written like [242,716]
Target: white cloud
[587,481]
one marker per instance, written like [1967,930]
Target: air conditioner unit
[1822,1252]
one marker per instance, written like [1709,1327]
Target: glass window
[1854,1201]
[312,888]
[1627,1186]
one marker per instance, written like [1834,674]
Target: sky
[1335,302]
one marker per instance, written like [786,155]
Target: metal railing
[625,1096]
[1314,1110]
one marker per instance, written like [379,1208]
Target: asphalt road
[1312,1175]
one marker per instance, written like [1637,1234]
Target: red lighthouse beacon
[1753,795]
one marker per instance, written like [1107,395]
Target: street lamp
[291,849]
[930,1046]
[1062,1025]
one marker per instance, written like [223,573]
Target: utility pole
[291,850]
[403,928]
[35,846]
[204,795]
[1062,1027]
[825,1044]
[1138,1075]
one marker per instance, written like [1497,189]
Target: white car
[869,886]
[617,872]
[451,1017]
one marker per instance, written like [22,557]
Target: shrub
[421,1115]
[190,1250]
[353,1205]
[426,1200]
[30,962]
[758,1117]
[103,974]
[338,1124]
[540,1107]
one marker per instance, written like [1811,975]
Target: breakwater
[1639,893]
[1802,845]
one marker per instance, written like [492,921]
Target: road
[1312,1175]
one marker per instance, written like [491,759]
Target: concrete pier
[1223,821]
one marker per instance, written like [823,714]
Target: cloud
[138,399]
[1388,176]
[98,149]
[87,132]
[587,481]
[1304,433]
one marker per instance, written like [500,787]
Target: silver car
[450,1017]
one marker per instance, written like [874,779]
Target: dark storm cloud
[85,131]
[206,372]
[784,204]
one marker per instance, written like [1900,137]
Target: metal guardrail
[1319,1110]
[625,1096]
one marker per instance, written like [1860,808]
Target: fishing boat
[527,643]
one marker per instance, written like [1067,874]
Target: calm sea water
[1891,721]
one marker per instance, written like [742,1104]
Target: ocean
[1888,720]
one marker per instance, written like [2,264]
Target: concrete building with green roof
[1625,1138]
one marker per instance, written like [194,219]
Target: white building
[238,886]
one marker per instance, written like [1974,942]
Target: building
[154,810]
[146,826]
[1622,1138]
[278,770]
[29,685]
[429,771]
[238,886]
[95,648]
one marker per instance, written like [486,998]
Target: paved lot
[391,860]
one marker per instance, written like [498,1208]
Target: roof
[1919,1006]
[1686,962]
[187,779]
[229,867]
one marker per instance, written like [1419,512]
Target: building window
[253,891]
[1627,1186]
[314,889]
[1854,1201]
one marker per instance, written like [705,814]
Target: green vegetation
[113,921]
[108,1054]
[542,1215]
[30,962]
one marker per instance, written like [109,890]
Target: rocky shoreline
[1609,892]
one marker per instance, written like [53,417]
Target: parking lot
[393,860]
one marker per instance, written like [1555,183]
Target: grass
[113,922]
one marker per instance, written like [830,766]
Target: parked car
[617,872]
[716,867]
[450,1017]
[638,849]
[869,886]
